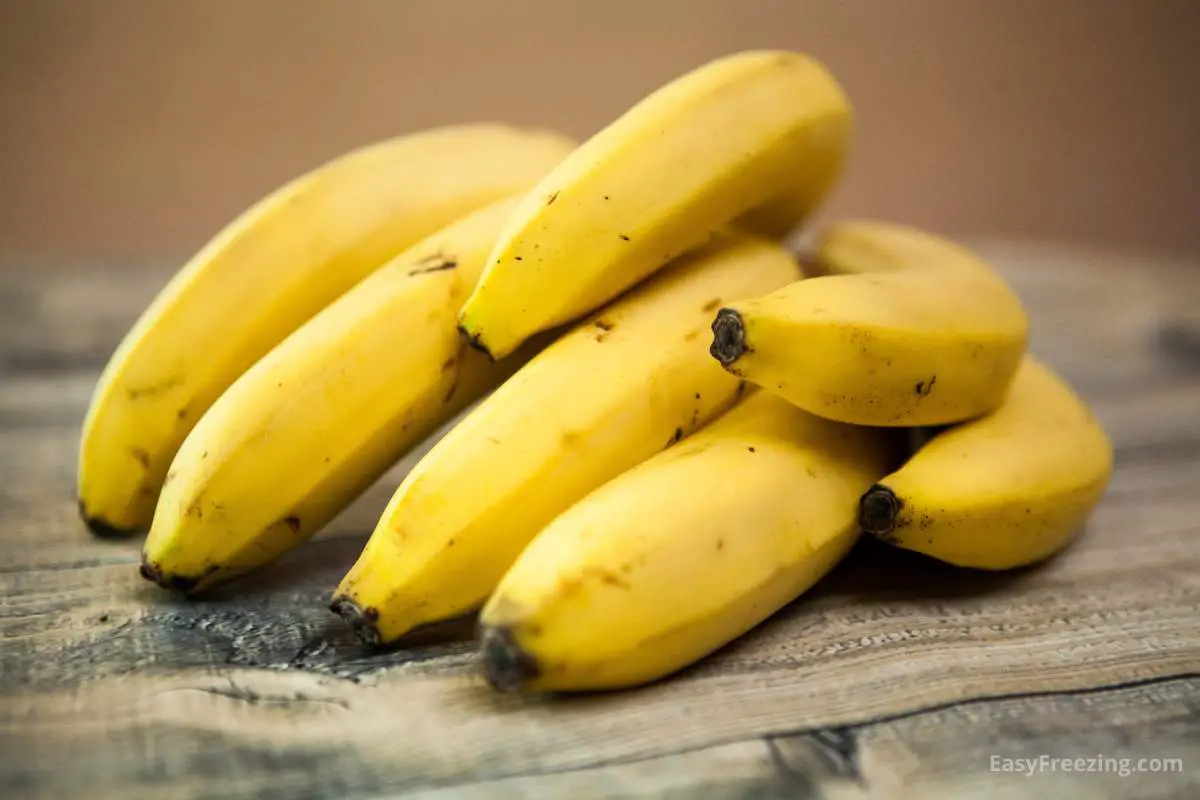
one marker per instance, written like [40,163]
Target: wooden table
[897,676]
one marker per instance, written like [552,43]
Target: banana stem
[506,666]
[476,343]
[360,619]
[154,573]
[878,510]
[729,337]
[102,528]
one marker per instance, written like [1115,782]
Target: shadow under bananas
[277,617]
[876,572]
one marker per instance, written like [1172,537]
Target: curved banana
[758,135]
[907,329]
[271,269]
[683,553]
[1002,491]
[318,419]
[617,389]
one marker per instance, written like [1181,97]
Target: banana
[907,329]
[609,394]
[271,269]
[682,554]
[1002,491]
[318,419]
[758,135]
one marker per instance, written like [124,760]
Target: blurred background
[133,129]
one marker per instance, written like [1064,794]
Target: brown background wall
[135,128]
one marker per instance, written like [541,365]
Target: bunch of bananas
[634,493]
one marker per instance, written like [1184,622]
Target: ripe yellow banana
[617,389]
[759,135]
[907,329]
[682,554]
[318,419]
[271,269]
[1001,491]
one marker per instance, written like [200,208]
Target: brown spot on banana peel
[729,337]
[607,577]
[506,666]
[878,513]
[434,263]
[293,523]
[711,305]
[154,388]
[550,200]
[364,621]
[923,388]
[141,456]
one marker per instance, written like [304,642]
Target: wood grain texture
[897,676]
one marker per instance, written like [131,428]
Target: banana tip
[877,511]
[153,572]
[475,341]
[102,528]
[506,666]
[362,620]
[729,337]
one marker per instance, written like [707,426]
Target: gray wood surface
[896,677]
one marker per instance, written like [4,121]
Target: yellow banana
[609,394]
[318,419]
[683,553]
[271,269]
[758,135]
[907,329]
[1001,491]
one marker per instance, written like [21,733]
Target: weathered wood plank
[946,751]
[868,644]
[898,676]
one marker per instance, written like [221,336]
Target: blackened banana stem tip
[476,343]
[185,584]
[506,666]
[877,510]
[363,621]
[729,337]
[102,528]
